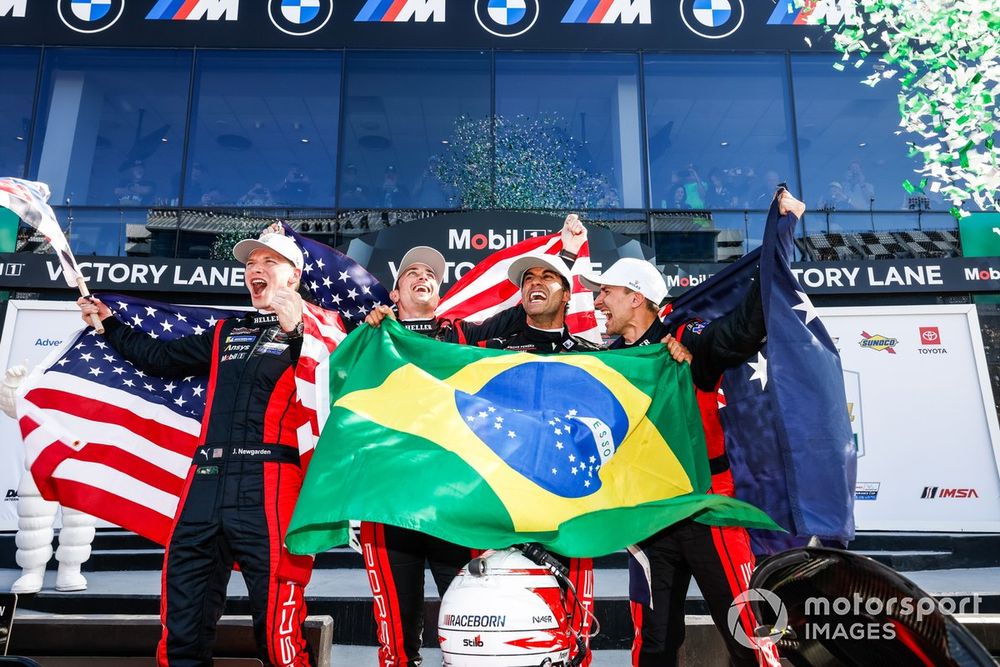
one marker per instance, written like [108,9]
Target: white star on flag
[806,306]
[759,370]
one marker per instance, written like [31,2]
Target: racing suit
[525,338]
[719,558]
[395,557]
[240,489]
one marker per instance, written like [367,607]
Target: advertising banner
[439,24]
[923,417]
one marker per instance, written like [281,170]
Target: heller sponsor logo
[419,11]
[506,18]
[464,239]
[299,17]
[712,19]
[987,273]
[878,342]
[13,8]
[866,490]
[90,16]
[616,11]
[814,12]
[475,620]
[194,10]
[940,493]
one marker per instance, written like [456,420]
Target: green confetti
[948,58]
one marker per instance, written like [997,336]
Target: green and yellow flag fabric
[583,453]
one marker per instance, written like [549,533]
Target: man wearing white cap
[245,476]
[396,557]
[630,294]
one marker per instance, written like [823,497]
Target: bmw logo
[507,18]
[712,19]
[88,16]
[299,17]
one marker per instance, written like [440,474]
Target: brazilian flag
[583,453]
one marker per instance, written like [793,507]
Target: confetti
[947,56]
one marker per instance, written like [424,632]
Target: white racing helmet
[504,610]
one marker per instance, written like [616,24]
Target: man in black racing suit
[246,473]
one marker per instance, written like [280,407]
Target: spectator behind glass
[835,198]
[858,190]
[352,193]
[392,194]
[294,190]
[764,193]
[718,194]
[258,195]
[135,189]
[680,198]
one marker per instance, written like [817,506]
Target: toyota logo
[929,335]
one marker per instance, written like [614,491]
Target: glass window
[718,128]
[265,130]
[111,126]
[416,131]
[20,69]
[568,131]
[852,158]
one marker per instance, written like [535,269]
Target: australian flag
[788,433]
[334,281]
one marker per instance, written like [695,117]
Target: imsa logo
[90,16]
[712,19]
[934,492]
[299,17]
[507,18]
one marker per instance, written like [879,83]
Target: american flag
[485,290]
[105,438]
[30,201]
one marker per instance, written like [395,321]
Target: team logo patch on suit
[276,349]
[507,18]
[89,16]
[712,19]
[299,17]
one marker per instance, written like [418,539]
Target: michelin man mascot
[35,517]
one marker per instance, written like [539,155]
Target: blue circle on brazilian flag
[712,19]
[553,423]
[88,16]
[507,18]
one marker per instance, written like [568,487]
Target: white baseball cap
[279,243]
[517,269]
[637,275]
[421,254]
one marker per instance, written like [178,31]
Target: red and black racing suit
[525,338]
[239,492]
[395,557]
[719,558]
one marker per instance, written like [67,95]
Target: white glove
[8,389]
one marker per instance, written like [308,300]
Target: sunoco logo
[464,239]
[878,342]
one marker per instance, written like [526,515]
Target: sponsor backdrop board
[31,332]
[923,415]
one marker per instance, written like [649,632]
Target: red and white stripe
[116,457]
[486,290]
[322,332]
